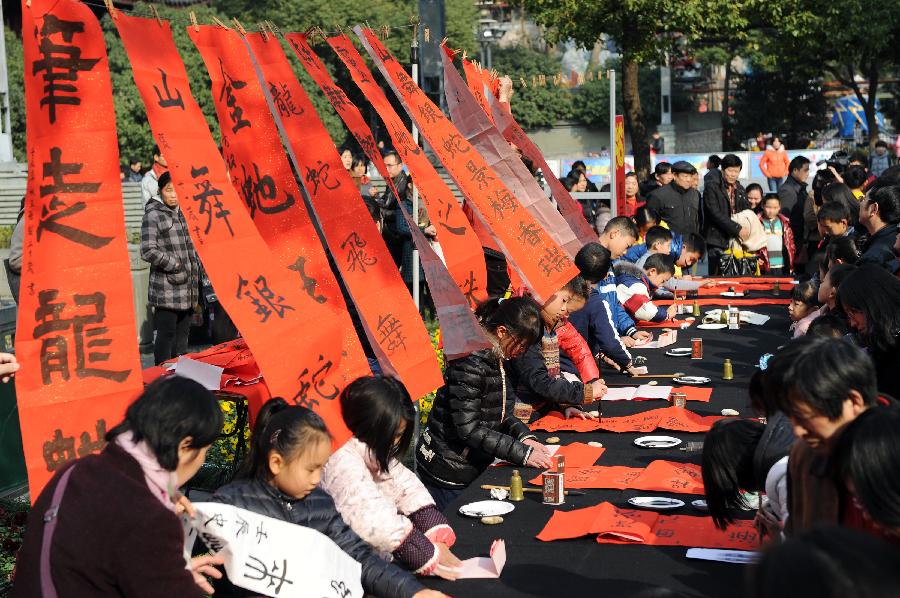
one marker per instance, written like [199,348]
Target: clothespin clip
[416,31]
[272,27]
[427,34]
[386,32]
[465,55]
[110,8]
[156,14]
[444,41]
[522,81]
[27,3]
[238,25]
[194,22]
[262,29]
[218,22]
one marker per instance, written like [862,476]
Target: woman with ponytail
[472,421]
[280,479]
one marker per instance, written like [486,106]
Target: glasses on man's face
[392,164]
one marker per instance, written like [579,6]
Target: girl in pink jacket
[382,500]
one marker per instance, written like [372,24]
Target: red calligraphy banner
[542,263]
[290,333]
[513,133]
[677,419]
[462,248]
[658,476]
[476,82]
[479,130]
[76,334]
[261,174]
[628,526]
[393,324]
[453,300]
[617,169]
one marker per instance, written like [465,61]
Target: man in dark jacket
[388,205]
[880,215]
[720,202]
[315,511]
[794,193]
[678,203]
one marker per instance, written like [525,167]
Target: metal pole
[414,60]
[611,77]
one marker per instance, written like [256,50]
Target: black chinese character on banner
[383,54]
[304,53]
[241,526]
[529,233]
[336,97]
[455,144]
[236,113]
[404,142]
[87,336]
[553,260]
[444,215]
[320,176]
[60,61]
[56,211]
[317,383]
[208,198]
[266,300]
[503,201]
[429,113]
[59,450]
[341,589]
[275,580]
[283,100]
[256,187]
[390,331]
[469,289]
[96,445]
[309,283]
[406,84]
[479,175]
[352,64]
[168,101]
[260,533]
[357,257]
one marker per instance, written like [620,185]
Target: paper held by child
[666,338]
[274,566]
[741,557]
[485,567]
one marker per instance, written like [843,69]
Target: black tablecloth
[582,567]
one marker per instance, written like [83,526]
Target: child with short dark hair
[803,307]
[833,220]
[658,240]
[472,422]
[821,384]
[383,501]
[828,326]
[645,218]
[635,287]
[280,479]
[777,257]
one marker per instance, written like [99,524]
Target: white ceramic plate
[732,294]
[655,503]
[486,508]
[718,326]
[692,380]
[657,442]
[680,352]
[700,505]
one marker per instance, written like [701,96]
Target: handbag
[732,266]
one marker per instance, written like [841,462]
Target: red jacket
[578,351]
[789,249]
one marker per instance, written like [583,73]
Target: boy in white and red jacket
[635,287]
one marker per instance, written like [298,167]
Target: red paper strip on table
[462,334]
[677,419]
[692,393]
[393,324]
[658,476]
[76,276]
[462,249]
[665,324]
[727,301]
[261,174]
[577,454]
[628,526]
[717,290]
[543,264]
[479,130]
[262,297]
[513,133]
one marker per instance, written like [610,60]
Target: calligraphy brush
[535,490]
[675,375]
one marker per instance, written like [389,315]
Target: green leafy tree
[533,105]
[15,62]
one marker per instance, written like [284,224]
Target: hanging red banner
[479,130]
[398,335]
[261,174]
[543,264]
[290,333]
[462,249]
[475,82]
[76,332]
[513,133]
[462,334]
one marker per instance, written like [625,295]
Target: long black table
[582,567]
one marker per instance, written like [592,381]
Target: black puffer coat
[720,229]
[316,511]
[533,383]
[774,444]
[679,208]
[471,423]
